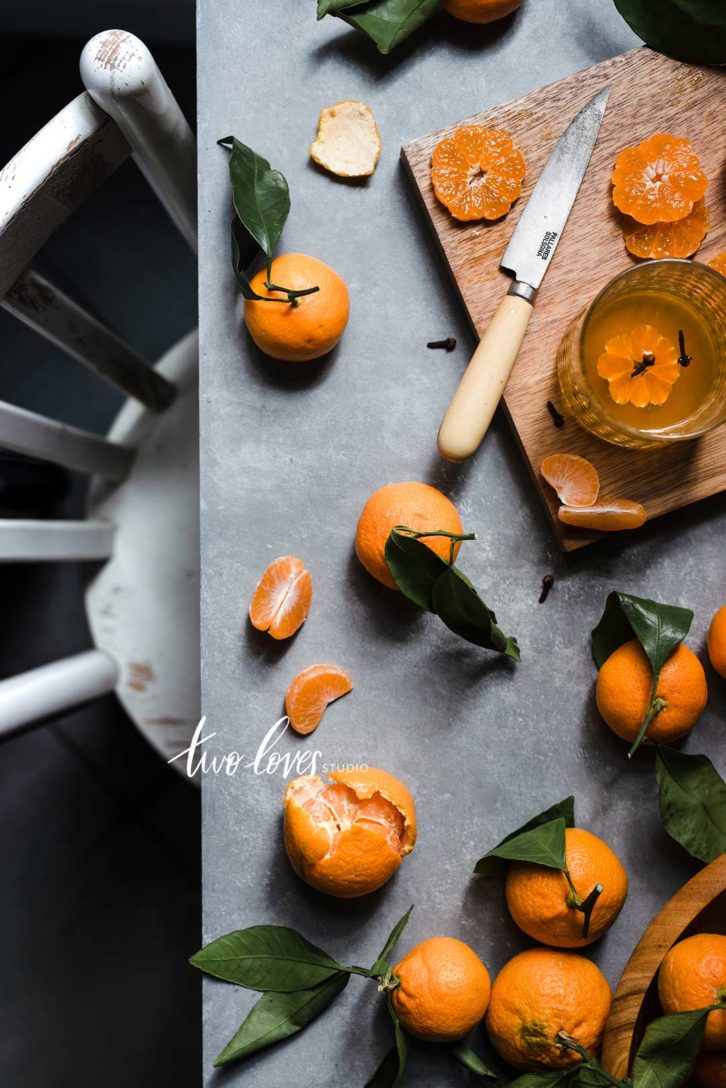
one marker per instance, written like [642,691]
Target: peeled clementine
[281,601]
[477,172]
[309,327]
[347,837]
[693,976]
[443,990]
[658,180]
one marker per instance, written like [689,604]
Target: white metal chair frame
[139,492]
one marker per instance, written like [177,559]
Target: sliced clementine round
[660,240]
[311,692]
[640,367]
[281,601]
[608,515]
[719,262]
[574,478]
[658,180]
[477,172]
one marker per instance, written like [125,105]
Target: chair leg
[54,541]
[33,697]
[37,436]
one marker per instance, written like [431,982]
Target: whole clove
[557,418]
[449,343]
[547,582]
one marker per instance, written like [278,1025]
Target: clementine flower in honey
[658,180]
[477,172]
[640,367]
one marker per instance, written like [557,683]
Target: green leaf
[558,1078]
[690,30]
[471,1060]
[541,845]
[692,800]
[390,22]
[277,1016]
[391,942]
[266,958]
[243,244]
[563,810]
[464,612]
[332,7]
[260,195]
[401,1045]
[659,628]
[414,568]
[669,1049]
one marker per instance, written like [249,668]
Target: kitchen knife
[528,256]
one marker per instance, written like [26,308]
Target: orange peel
[348,142]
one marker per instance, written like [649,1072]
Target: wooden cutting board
[649,93]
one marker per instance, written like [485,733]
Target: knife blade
[528,256]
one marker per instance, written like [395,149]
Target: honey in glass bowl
[682,305]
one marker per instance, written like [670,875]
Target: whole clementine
[717,642]
[624,686]
[443,990]
[310,326]
[693,976]
[540,993]
[710,1071]
[347,837]
[415,505]
[543,904]
[480,11]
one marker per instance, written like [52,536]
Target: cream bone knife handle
[480,389]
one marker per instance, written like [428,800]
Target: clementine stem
[656,705]
[587,1059]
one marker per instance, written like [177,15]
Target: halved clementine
[347,837]
[311,692]
[574,478]
[658,180]
[657,241]
[477,172]
[281,601]
[608,515]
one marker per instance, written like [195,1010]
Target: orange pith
[480,11]
[719,263]
[477,172]
[540,899]
[717,641]
[443,990]
[657,241]
[311,691]
[347,837]
[415,505]
[574,479]
[281,600]
[608,515]
[313,326]
[693,976]
[631,376]
[539,993]
[658,180]
[624,686]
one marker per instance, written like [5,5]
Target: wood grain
[699,907]
[649,93]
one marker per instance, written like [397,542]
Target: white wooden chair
[143,510]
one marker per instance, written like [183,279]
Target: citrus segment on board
[607,516]
[575,479]
[719,263]
[658,180]
[281,600]
[311,692]
[657,241]
[347,837]
[477,172]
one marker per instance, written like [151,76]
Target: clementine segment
[719,263]
[574,478]
[659,180]
[717,642]
[281,601]
[347,837]
[443,990]
[693,976]
[657,241]
[480,11]
[311,692]
[477,172]
[538,994]
[607,516]
[624,686]
[541,901]
[415,505]
[310,327]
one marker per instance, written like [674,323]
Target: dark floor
[99,839]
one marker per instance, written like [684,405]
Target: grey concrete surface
[290,455]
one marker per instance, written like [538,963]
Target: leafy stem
[564,1040]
